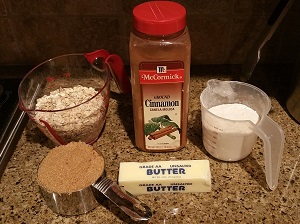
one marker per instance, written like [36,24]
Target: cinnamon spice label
[161,86]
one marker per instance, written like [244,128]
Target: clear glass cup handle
[273,138]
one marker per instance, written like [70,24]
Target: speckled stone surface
[239,191]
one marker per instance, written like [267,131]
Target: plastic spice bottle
[160,53]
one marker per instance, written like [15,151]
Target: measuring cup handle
[92,56]
[136,209]
[273,138]
[116,66]
[119,73]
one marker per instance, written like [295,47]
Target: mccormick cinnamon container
[160,53]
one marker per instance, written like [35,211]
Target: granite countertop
[239,190]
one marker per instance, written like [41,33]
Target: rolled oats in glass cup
[68,96]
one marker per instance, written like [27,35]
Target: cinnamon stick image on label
[162,132]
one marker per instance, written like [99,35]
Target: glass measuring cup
[82,120]
[233,140]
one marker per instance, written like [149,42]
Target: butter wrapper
[180,176]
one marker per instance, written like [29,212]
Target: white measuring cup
[233,140]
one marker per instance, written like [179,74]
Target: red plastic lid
[159,17]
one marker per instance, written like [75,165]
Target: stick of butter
[180,176]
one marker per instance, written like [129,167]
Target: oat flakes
[72,116]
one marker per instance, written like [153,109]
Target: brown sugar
[69,168]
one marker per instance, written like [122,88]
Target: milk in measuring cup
[225,135]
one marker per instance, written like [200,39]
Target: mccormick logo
[161,75]
[161,69]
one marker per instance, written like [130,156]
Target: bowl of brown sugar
[72,181]
[65,176]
